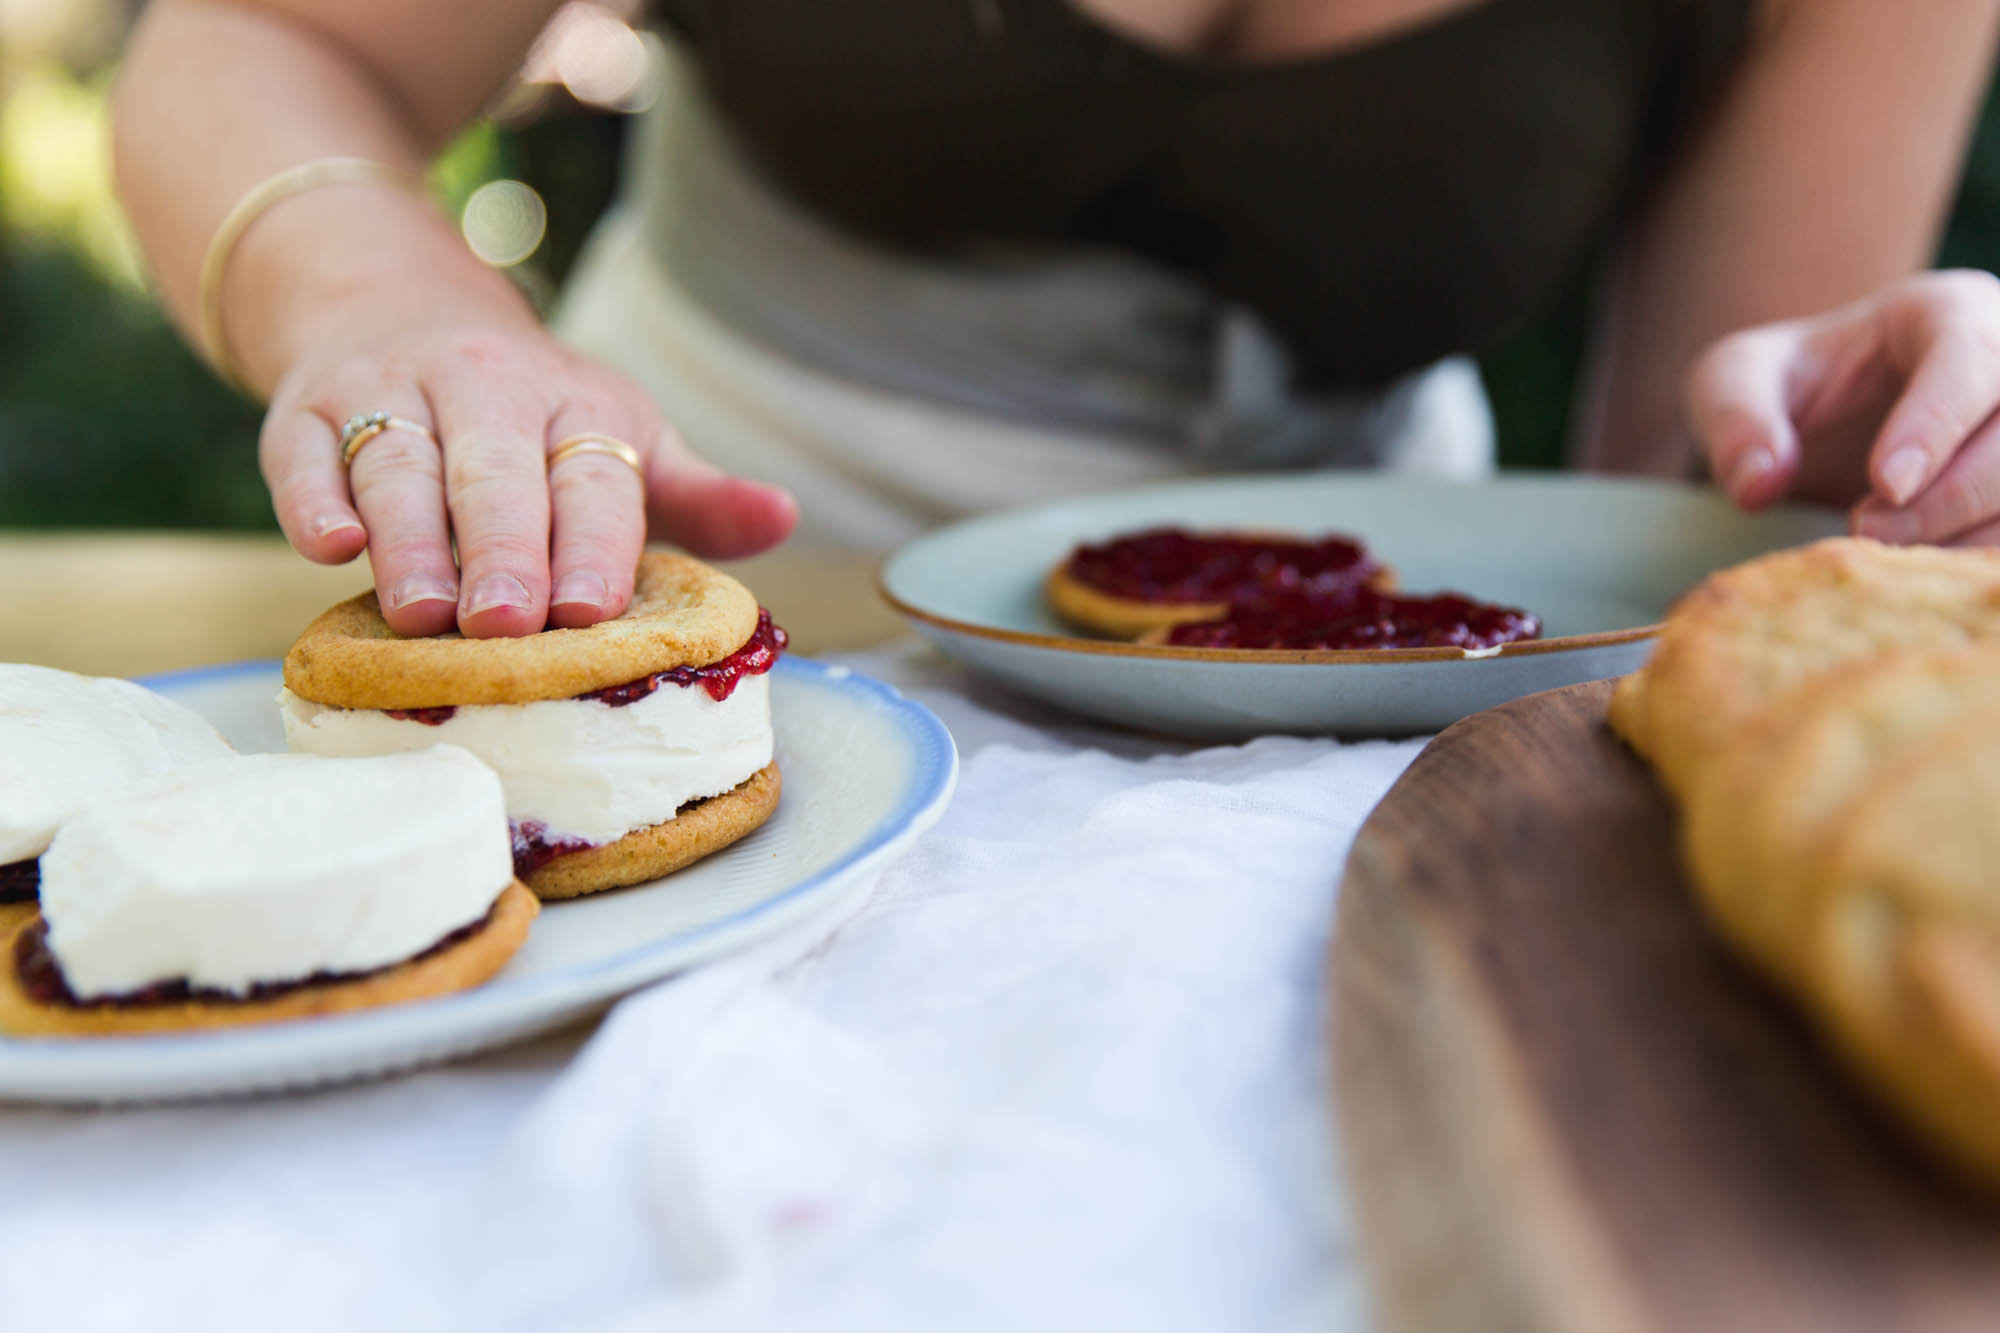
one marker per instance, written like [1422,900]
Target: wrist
[346,269]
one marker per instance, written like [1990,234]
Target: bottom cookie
[1107,616]
[12,915]
[460,965]
[648,853]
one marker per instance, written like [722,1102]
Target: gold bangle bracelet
[254,204]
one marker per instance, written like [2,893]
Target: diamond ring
[365,426]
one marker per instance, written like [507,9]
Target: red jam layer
[1360,620]
[1174,565]
[535,848]
[758,654]
[430,717]
[41,976]
[21,881]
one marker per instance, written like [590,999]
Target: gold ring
[362,428]
[598,444]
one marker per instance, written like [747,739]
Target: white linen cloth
[1062,1069]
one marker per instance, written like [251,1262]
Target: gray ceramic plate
[1599,559]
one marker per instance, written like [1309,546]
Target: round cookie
[683,613]
[648,853]
[1901,952]
[13,914]
[1107,614]
[1749,634]
[458,966]
[1765,803]
[1078,604]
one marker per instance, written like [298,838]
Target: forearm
[215,98]
[1823,175]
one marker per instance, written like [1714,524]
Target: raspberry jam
[20,881]
[1360,620]
[41,976]
[430,717]
[1174,565]
[757,655]
[534,847]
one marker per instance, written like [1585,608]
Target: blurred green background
[107,420]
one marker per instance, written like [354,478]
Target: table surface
[1066,1043]
[135,603]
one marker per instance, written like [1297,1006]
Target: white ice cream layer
[272,868]
[68,740]
[581,768]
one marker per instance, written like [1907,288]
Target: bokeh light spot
[504,222]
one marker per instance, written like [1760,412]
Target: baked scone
[627,750]
[1749,634]
[268,887]
[1790,779]
[67,740]
[1829,719]
[1901,950]
[1160,577]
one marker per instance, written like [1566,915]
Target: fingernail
[583,588]
[1902,472]
[1895,526]
[421,588]
[1750,468]
[331,523]
[497,592]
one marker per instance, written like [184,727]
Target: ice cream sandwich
[627,749]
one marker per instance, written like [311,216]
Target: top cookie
[683,613]
[1750,634]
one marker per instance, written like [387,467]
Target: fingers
[1945,332]
[598,506]
[713,514]
[1739,403]
[1964,497]
[1986,534]
[396,480]
[299,454]
[493,425]
[534,545]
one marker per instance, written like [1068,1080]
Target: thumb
[714,515]
[1739,403]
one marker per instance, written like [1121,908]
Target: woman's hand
[535,546]
[1887,405]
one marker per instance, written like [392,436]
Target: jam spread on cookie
[757,655]
[430,717]
[1174,565]
[1359,619]
[41,976]
[535,846]
[20,881]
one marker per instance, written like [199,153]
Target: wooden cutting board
[1564,1107]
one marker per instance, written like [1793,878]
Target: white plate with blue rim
[865,772]
[1599,559]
